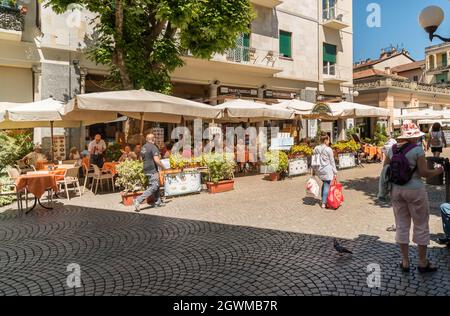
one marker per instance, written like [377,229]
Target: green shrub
[14,147]
[130,176]
[347,147]
[277,161]
[220,166]
[113,152]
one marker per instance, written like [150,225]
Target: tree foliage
[142,41]
[14,147]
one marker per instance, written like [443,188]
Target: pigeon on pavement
[340,249]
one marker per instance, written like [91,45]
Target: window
[416,78]
[329,59]
[441,78]
[286,44]
[329,9]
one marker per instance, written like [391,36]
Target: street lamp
[430,19]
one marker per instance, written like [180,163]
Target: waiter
[96,149]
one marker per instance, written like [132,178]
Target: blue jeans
[325,190]
[445,212]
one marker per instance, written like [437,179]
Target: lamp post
[430,19]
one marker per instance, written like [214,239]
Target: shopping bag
[312,187]
[335,195]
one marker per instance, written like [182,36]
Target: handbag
[335,195]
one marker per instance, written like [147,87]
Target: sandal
[404,269]
[427,269]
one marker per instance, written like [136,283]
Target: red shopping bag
[335,195]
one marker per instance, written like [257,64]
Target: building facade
[295,49]
[400,86]
[437,64]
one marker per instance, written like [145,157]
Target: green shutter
[329,53]
[285,44]
[444,60]
[246,40]
[441,78]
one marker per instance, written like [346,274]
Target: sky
[399,26]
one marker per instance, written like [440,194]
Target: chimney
[387,70]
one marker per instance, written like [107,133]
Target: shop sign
[238,91]
[279,94]
[322,108]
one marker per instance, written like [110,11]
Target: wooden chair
[99,176]
[70,178]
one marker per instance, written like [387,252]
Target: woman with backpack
[409,197]
[436,140]
[325,167]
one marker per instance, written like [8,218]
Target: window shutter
[441,78]
[444,60]
[286,44]
[329,53]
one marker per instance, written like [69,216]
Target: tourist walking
[409,197]
[436,140]
[325,167]
[96,149]
[151,156]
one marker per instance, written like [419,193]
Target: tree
[142,41]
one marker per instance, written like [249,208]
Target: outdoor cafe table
[37,183]
[372,151]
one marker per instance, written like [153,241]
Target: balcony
[439,68]
[267,3]
[11,23]
[336,18]
[335,74]
[241,59]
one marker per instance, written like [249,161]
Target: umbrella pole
[52,143]
[141,129]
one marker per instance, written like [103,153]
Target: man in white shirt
[96,149]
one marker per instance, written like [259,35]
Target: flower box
[128,198]
[221,186]
[182,183]
[346,160]
[298,166]
[274,176]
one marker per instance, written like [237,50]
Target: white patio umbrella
[44,113]
[253,111]
[355,110]
[299,106]
[140,104]
[427,114]
[151,106]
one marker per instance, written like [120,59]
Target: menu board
[159,136]
[59,143]
[182,183]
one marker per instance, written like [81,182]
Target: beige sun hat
[410,130]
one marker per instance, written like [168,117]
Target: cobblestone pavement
[263,238]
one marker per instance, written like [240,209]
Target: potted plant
[277,163]
[345,152]
[132,180]
[220,172]
[300,151]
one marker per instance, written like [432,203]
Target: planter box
[346,161]
[222,186]
[298,166]
[182,183]
[274,176]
